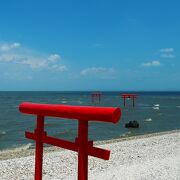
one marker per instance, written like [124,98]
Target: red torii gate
[132,96]
[96,95]
[81,145]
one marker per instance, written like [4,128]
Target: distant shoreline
[17,153]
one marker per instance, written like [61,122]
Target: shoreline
[154,157]
[18,153]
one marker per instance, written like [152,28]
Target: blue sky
[89,45]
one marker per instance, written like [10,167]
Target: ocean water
[155,112]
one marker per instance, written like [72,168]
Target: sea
[154,111]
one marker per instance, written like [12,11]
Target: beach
[154,156]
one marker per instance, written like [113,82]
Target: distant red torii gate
[131,96]
[81,145]
[96,95]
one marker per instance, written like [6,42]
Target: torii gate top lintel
[129,95]
[132,96]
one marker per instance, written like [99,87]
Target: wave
[156,105]
[148,120]
[123,135]
[141,104]
[127,134]
[178,106]
[156,108]
[17,149]
[3,132]
[64,102]
[80,102]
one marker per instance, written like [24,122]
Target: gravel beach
[146,157]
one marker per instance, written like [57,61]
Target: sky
[76,45]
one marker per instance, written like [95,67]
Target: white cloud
[96,70]
[100,72]
[30,58]
[33,63]
[7,47]
[60,68]
[54,57]
[168,55]
[167,50]
[8,57]
[48,63]
[151,64]
[17,76]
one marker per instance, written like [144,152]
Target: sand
[145,157]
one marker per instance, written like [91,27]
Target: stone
[132,124]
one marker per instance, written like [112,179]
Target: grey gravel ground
[155,157]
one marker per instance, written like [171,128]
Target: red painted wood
[105,114]
[129,95]
[99,153]
[83,150]
[132,96]
[81,145]
[96,96]
[92,151]
[39,148]
[54,141]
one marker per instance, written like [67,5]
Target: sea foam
[17,149]
[156,105]
[148,120]
[3,132]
